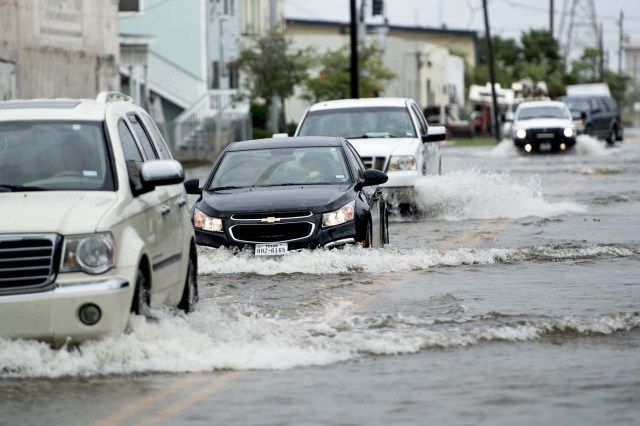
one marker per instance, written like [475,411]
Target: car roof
[360,103]
[532,104]
[62,108]
[290,142]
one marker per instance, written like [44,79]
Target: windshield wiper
[19,188]
[357,137]
[281,184]
[222,188]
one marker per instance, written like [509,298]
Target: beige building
[632,63]
[58,48]
[425,62]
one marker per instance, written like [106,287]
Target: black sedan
[277,195]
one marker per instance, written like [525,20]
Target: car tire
[141,297]
[369,236]
[612,136]
[190,292]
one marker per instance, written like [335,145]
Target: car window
[594,105]
[156,137]
[356,160]
[75,156]
[421,120]
[280,167]
[577,104]
[359,123]
[132,156]
[147,147]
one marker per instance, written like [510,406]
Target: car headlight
[569,132]
[343,215]
[402,162]
[93,254]
[521,133]
[202,221]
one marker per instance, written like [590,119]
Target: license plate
[545,146]
[271,249]
[544,135]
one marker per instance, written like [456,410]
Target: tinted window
[354,158]
[132,156]
[156,137]
[147,147]
[421,120]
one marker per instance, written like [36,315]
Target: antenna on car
[105,97]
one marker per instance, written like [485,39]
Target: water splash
[471,194]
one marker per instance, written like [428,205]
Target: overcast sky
[507,18]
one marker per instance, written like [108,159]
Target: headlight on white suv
[337,217]
[93,254]
[569,132]
[402,162]
[207,223]
[521,133]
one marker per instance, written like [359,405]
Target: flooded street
[513,299]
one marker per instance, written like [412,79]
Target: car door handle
[165,210]
[181,202]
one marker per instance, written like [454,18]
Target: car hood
[385,147]
[317,198]
[64,212]
[541,123]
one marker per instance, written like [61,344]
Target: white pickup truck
[390,134]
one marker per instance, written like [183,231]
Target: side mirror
[373,177]
[161,172]
[192,186]
[583,115]
[435,134]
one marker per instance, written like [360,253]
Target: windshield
[542,112]
[358,123]
[279,167]
[53,155]
[577,104]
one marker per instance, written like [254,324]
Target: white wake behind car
[93,219]
[390,135]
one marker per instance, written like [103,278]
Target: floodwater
[513,298]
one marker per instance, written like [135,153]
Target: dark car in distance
[277,195]
[597,116]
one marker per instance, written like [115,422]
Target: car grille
[544,133]
[271,233]
[27,262]
[267,215]
[374,162]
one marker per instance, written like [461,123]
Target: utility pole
[492,74]
[601,49]
[620,43]
[274,112]
[551,11]
[354,50]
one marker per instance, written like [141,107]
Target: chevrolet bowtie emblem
[270,219]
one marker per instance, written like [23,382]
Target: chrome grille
[27,262]
[271,233]
[374,162]
[265,215]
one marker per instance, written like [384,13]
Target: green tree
[273,68]
[333,80]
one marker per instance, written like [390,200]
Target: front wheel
[141,298]
[190,292]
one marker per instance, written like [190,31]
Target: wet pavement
[513,298]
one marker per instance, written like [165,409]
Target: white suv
[93,219]
[390,134]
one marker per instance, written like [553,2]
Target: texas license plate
[271,249]
[545,146]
